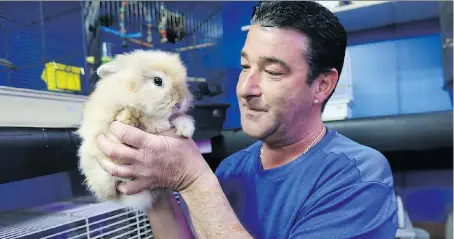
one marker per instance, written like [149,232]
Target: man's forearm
[211,214]
[167,219]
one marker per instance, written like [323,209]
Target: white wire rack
[76,220]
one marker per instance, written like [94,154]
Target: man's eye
[274,73]
[245,67]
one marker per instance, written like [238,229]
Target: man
[301,179]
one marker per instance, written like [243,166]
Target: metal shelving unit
[381,13]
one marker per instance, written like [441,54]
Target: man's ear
[107,69]
[326,84]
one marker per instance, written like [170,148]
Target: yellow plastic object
[104,59]
[60,77]
[90,59]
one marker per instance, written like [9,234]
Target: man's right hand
[153,161]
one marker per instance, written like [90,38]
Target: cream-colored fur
[127,92]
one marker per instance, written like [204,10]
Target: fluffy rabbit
[145,89]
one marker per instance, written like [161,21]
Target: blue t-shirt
[338,189]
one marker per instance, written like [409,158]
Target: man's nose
[249,84]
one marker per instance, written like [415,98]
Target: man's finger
[128,134]
[121,171]
[172,132]
[118,152]
[132,187]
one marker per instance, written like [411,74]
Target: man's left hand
[152,161]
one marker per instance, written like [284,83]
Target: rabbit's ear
[107,69]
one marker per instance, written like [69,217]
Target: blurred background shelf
[362,15]
[36,108]
[409,141]
[44,109]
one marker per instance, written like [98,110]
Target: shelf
[43,109]
[363,15]
[33,152]
[410,133]
[33,108]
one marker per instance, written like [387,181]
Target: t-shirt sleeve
[222,168]
[228,165]
[360,210]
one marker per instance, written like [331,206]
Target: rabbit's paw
[128,115]
[153,126]
[184,125]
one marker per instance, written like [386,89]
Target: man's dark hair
[327,36]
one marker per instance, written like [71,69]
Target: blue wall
[398,77]
[35,192]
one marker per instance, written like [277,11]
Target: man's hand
[152,161]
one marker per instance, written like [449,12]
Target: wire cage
[49,51]
[57,46]
[41,46]
[80,218]
[119,26]
[75,219]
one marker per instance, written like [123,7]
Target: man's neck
[273,156]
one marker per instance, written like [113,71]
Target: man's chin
[253,131]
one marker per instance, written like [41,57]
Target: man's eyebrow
[272,59]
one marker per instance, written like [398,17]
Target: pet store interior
[394,95]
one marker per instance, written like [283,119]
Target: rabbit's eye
[157,81]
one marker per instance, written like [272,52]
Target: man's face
[272,91]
